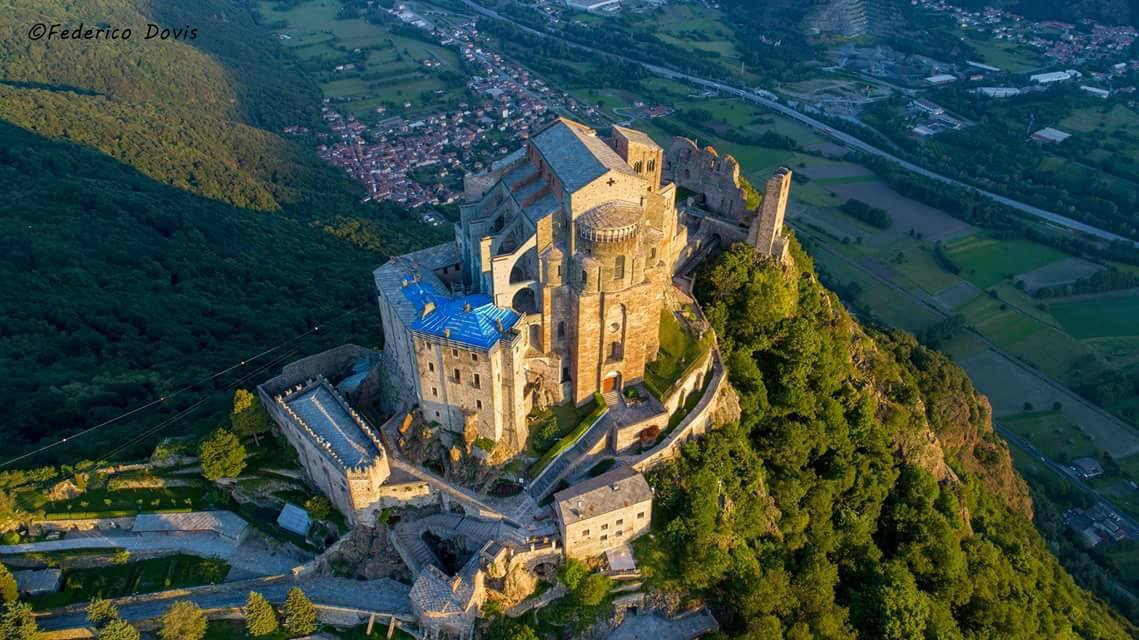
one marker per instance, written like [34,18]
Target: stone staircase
[412,549]
[612,398]
[557,469]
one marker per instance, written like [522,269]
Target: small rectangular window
[435,392]
[585,533]
[455,352]
[604,537]
[458,376]
[478,404]
[620,533]
[478,382]
[431,366]
[641,515]
[604,527]
[620,521]
[474,357]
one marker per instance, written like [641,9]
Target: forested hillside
[156,224]
[863,493]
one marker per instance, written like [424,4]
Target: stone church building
[552,290]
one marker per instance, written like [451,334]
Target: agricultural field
[1008,56]
[1109,118]
[985,260]
[387,70]
[1053,434]
[1105,316]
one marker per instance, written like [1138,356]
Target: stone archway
[525,301]
[611,383]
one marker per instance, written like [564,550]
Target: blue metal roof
[471,320]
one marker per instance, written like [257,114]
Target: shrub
[184,620]
[260,618]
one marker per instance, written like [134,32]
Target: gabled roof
[608,492]
[576,155]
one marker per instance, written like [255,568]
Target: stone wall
[706,172]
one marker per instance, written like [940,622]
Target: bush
[118,630]
[101,611]
[318,507]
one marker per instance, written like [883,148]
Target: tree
[318,507]
[300,614]
[8,589]
[184,620]
[101,611]
[592,591]
[572,573]
[248,417]
[118,630]
[222,455]
[18,622]
[260,618]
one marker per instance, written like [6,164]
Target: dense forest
[156,226]
[863,492]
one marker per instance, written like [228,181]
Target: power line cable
[164,398]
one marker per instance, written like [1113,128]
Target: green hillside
[863,492]
[156,224]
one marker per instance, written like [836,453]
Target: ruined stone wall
[706,172]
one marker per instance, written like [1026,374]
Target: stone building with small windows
[604,513]
[341,453]
[551,292]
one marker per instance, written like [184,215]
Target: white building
[1055,76]
[591,5]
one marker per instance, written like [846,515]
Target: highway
[824,129]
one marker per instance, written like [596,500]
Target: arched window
[638,166]
[619,268]
[652,164]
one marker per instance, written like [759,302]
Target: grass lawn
[985,261]
[573,430]
[1114,316]
[678,350]
[1052,433]
[1008,56]
[124,502]
[143,576]
[1112,119]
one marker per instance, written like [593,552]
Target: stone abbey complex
[553,288]
[534,367]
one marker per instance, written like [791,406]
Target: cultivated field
[386,70]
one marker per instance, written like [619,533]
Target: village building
[603,513]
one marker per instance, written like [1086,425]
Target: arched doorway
[611,383]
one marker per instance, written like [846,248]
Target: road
[841,137]
[1131,525]
[251,557]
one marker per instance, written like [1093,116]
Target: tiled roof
[327,416]
[606,493]
[637,136]
[295,519]
[576,155]
[436,593]
[470,320]
[224,523]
